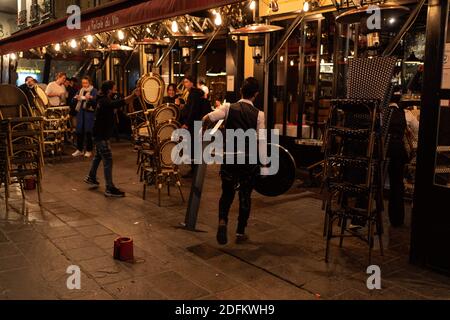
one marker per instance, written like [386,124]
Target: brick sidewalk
[283,260]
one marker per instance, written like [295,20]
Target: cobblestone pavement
[283,260]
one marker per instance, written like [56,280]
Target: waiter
[241,115]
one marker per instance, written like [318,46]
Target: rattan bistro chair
[21,141]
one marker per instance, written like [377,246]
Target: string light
[57,47]
[306,6]
[174,26]
[73,44]
[252,5]
[218,19]
[120,35]
[90,39]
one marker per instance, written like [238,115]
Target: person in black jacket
[397,160]
[28,89]
[102,132]
[195,109]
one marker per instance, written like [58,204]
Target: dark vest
[241,116]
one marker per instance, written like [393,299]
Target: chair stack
[354,149]
[21,145]
[56,128]
[154,148]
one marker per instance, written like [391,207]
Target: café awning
[114,15]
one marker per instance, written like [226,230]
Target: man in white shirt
[202,85]
[241,115]
[56,91]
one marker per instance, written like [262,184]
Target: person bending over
[102,132]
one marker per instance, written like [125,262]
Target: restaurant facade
[299,50]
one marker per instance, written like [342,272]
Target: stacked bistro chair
[55,122]
[152,130]
[21,141]
[354,148]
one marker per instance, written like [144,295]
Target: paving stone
[59,232]
[13,262]
[105,270]
[25,236]
[137,288]
[8,249]
[24,284]
[72,242]
[175,286]
[94,231]
[241,292]
[84,253]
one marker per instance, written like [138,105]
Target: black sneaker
[222,234]
[114,193]
[91,181]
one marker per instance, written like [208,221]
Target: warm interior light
[120,35]
[281,58]
[73,44]
[252,5]
[20,54]
[186,28]
[13,56]
[292,63]
[174,26]
[148,30]
[57,47]
[306,6]
[90,39]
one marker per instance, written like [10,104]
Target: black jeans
[396,191]
[81,138]
[237,177]
[103,152]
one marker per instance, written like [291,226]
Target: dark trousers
[103,153]
[397,191]
[83,137]
[241,178]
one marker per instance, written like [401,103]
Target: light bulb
[13,56]
[292,63]
[174,26]
[392,20]
[73,44]
[90,39]
[306,6]
[148,30]
[186,28]
[20,54]
[120,35]
[218,19]
[281,58]
[44,50]
[57,47]
[253,5]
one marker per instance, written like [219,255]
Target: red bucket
[123,249]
